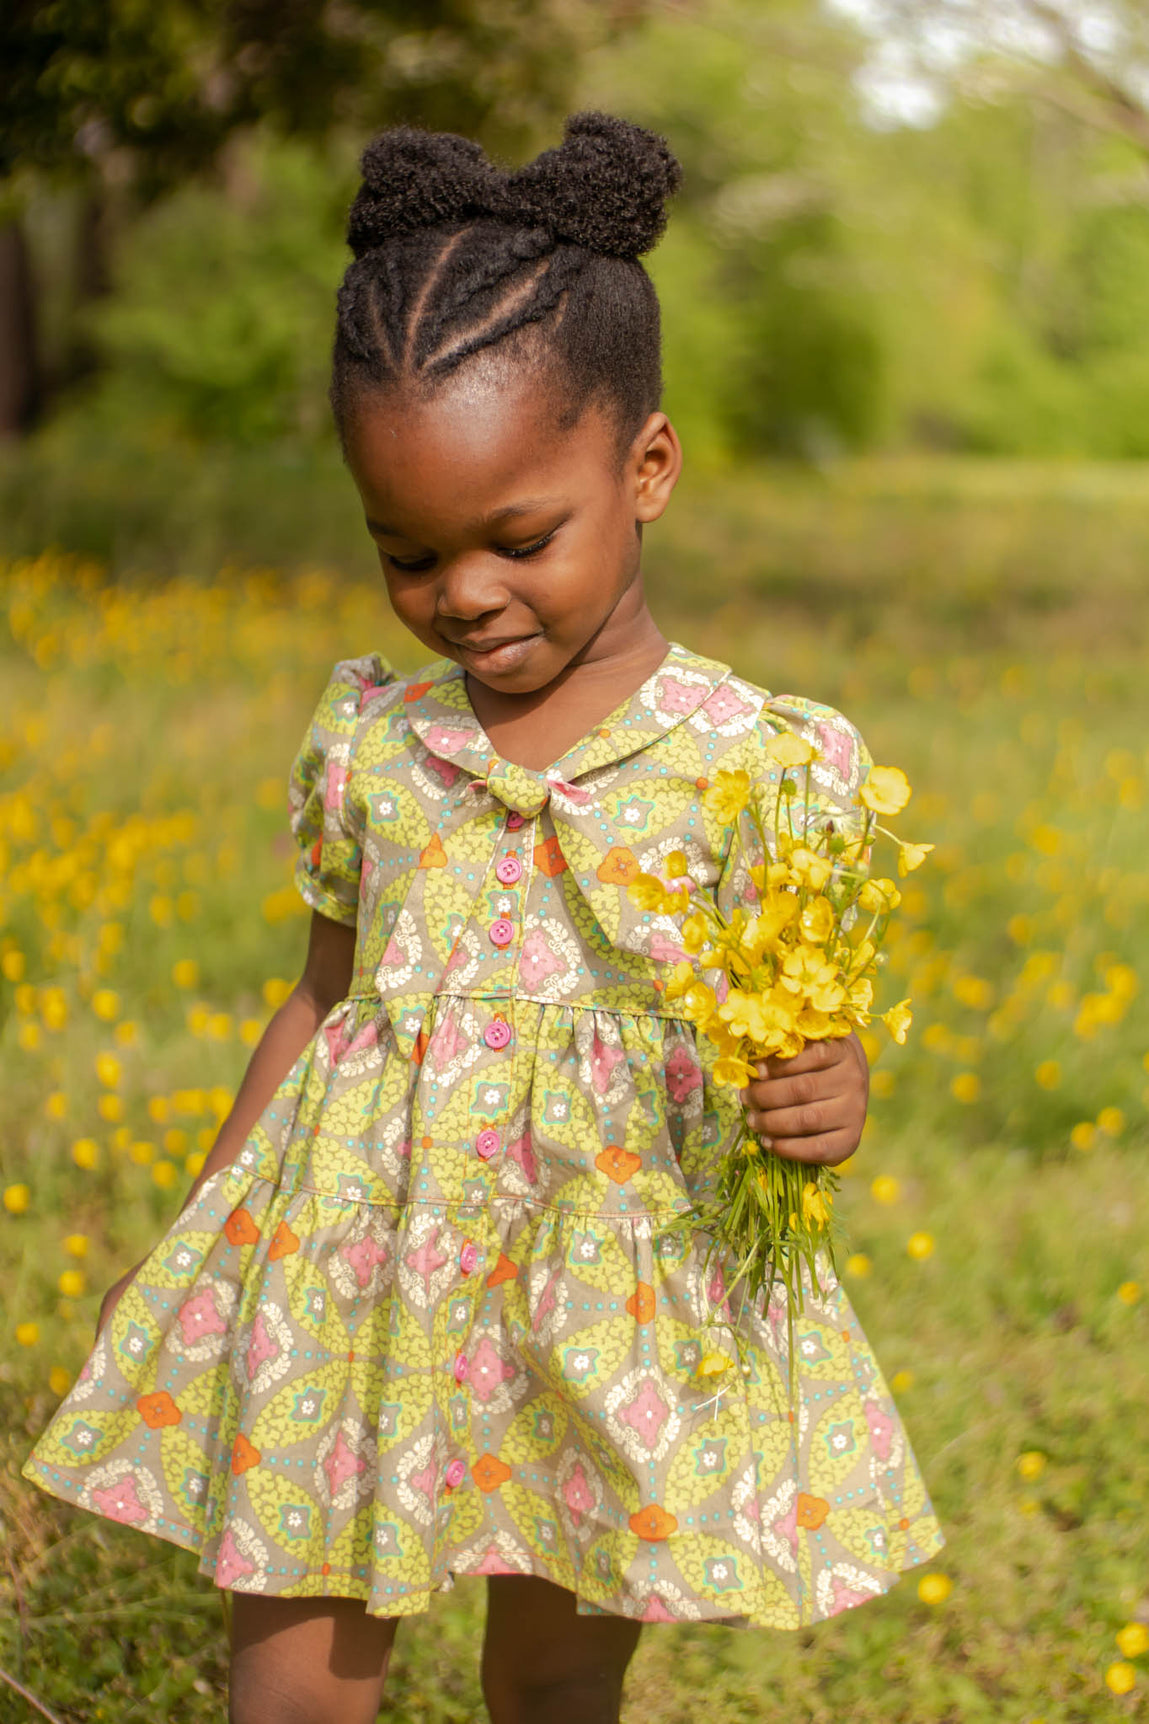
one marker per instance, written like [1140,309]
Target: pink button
[455,1474]
[508,870]
[502,931]
[514,820]
[498,1034]
[487,1144]
[461,1367]
[468,1256]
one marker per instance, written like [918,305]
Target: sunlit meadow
[997,1211]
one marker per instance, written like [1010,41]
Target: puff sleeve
[322,814]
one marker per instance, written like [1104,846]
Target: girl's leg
[306,1660]
[545,1664]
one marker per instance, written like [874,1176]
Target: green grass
[985,626]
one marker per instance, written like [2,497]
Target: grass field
[986,628]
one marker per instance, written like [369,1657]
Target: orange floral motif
[434,856]
[504,1270]
[283,1243]
[240,1229]
[415,691]
[316,852]
[653,1523]
[244,1454]
[618,1164]
[489,1472]
[641,1303]
[420,1048]
[812,1511]
[549,858]
[158,1410]
[618,867]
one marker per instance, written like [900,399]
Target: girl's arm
[326,980]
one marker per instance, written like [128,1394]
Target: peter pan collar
[440,713]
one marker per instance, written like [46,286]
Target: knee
[257,1701]
[590,1696]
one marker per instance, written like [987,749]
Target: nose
[470,587]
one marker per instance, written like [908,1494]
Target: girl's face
[507,543]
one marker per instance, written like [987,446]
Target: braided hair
[454,256]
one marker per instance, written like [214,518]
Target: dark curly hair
[454,255]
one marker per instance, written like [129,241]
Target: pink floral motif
[393,953]
[445,770]
[446,1041]
[837,748]
[493,1563]
[580,798]
[845,1597]
[261,1347]
[522,1152]
[363,1257]
[676,696]
[427,1259]
[547,1302]
[424,1479]
[231,1566]
[656,1611]
[578,1494]
[724,704]
[488,1369]
[537,961]
[603,1059]
[441,739]
[646,1414]
[342,1464]
[881,1429]
[683,1075]
[199,1316]
[663,950]
[334,783]
[121,1502]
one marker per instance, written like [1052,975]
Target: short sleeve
[322,818]
[836,774]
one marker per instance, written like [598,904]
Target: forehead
[482,441]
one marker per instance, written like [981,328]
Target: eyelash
[423,563]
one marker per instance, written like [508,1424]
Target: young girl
[431,1308]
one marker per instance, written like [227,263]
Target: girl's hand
[112,1297]
[811,1107]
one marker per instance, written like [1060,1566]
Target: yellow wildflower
[646,892]
[879,896]
[858,1264]
[729,1069]
[712,1365]
[934,1588]
[86,1152]
[898,1020]
[1031,1464]
[785,749]
[728,796]
[810,868]
[1132,1640]
[817,921]
[27,1334]
[1129,1292]
[886,790]
[885,1188]
[1111,1121]
[694,933]
[1121,1678]
[76,1244]
[185,973]
[108,1070]
[816,1203]
[676,865]
[1048,1074]
[106,1004]
[911,856]
[16,1199]
[71,1283]
[920,1245]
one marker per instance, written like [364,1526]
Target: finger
[808,1121]
[804,1087]
[815,1056]
[826,1149]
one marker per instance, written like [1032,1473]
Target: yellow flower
[878,896]
[59,1380]
[86,1152]
[1082,1135]
[810,868]
[1121,1678]
[71,1283]
[885,1188]
[676,865]
[901,1381]
[1031,1464]
[108,1070]
[16,1199]
[106,1004]
[1129,1292]
[275,992]
[56,1104]
[27,1334]
[1132,1640]
[646,892]
[185,973]
[1048,1074]
[712,1365]
[729,1069]
[816,1203]
[886,790]
[911,856]
[110,1107]
[965,1086]
[165,1174]
[76,1244]
[858,1264]
[785,749]
[934,1588]
[694,933]
[728,795]
[817,921]
[898,1020]
[920,1245]
[1111,1121]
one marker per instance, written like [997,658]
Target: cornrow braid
[454,256]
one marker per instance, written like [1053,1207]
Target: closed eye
[527,550]
[416,566]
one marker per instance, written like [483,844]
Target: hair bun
[414,179]
[605,187]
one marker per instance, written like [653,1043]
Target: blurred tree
[123,100]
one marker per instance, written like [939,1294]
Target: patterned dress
[440,1316]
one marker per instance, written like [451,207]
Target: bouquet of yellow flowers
[794,967]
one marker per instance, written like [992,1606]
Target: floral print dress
[440,1316]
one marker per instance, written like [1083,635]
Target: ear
[654,463]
